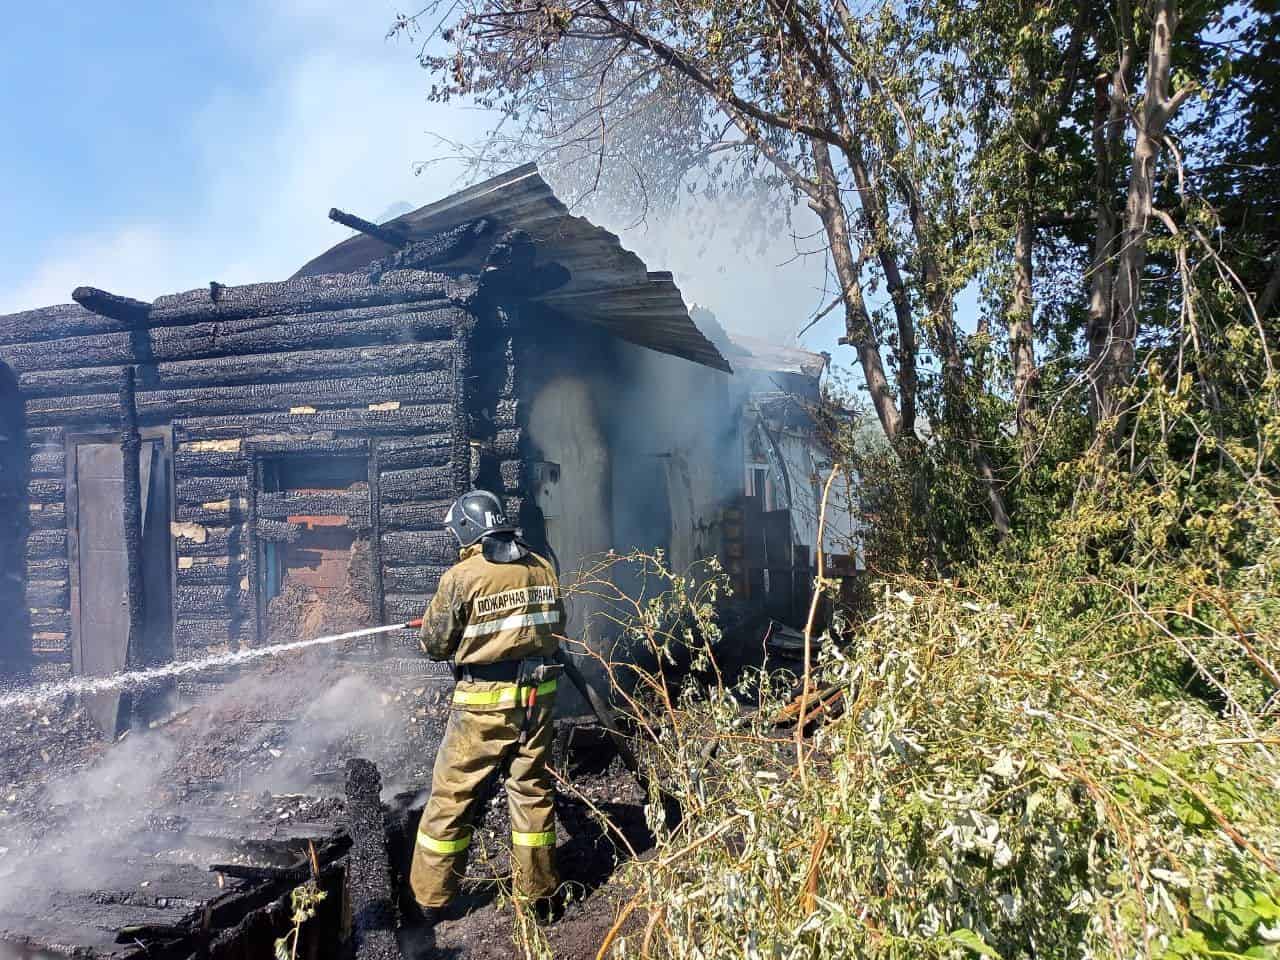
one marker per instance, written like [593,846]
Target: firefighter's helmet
[476,515]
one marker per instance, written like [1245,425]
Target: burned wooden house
[170,470]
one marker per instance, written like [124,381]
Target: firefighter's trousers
[476,742]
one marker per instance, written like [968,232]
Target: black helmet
[475,515]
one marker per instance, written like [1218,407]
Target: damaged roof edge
[608,284]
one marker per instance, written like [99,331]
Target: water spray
[139,679]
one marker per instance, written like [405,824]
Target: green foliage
[305,900]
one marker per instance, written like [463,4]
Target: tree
[868,116]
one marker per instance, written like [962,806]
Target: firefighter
[497,614]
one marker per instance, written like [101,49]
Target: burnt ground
[266,752]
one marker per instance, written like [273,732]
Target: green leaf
[973,942]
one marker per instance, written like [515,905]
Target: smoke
[241,755]
[87,818]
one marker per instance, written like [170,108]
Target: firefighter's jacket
[485,612]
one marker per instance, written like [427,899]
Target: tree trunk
[859,332]
[1113,358]
[1021,334]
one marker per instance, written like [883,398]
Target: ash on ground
[270,746]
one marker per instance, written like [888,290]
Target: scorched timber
[404,486]
[311,295]
[256,370]
[46,544]
[419,548]
[55,569]
[46,490]
[281,506]
[52,463]
[210,601]
[397,453]
[46,516]
[191,632]
[205,489]
[51,621]
[209,463]
[413,516]
[411,420]
[219,541]
[51,594]
[402,580]
[212,571]
[56,323]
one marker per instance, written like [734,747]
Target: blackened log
[46,490]
[425,483]
[213,513]
[204,489]
[506,443]
[413,580]
[212,571]
[209,601]
[218,541]
[48,593]
[46,544]
[264,445]
[209,463]
[47,569]
[51,463]
[374,468]
[446,247]
[405,606]
[411,420]
[55,621]
[277,531]
[309,295]
[506,414]
[402,453]
[353,506]
[393,235]
[373,903]
[45,438]
[414,516]
[56,323]
[47,516]
[131,447]
[513,476]
[257,476]
[112,305]
[95,362]
[191,632]
[347,362]
[419,548]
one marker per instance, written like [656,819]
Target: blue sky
[151,148]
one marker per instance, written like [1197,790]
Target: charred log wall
[14,654]
[330,364]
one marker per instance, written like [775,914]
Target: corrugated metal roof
[753,353]
[608,285]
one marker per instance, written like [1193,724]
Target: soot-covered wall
[229,381]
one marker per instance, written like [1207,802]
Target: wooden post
[131,448]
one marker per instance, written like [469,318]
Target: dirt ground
[272,744]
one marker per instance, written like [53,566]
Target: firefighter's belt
[512,696]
